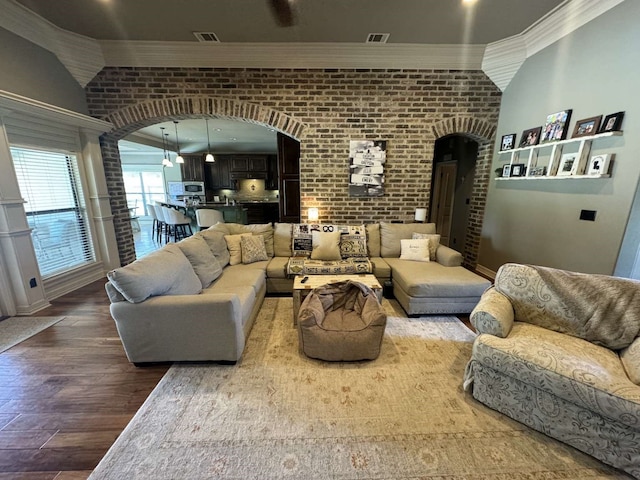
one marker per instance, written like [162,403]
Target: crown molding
[11,102]
[503,59]
[291,55]
[81,55]
[84,57]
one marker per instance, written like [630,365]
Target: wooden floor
[68,392]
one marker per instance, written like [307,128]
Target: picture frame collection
[556,128]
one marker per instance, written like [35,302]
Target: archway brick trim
[132,118]
[484,133]
[129,119]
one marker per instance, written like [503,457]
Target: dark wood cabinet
[217,173]
[227,169]
[289,178]
[248,166]
[272,173]
[261,212]
[193,168]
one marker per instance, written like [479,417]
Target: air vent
[208,37]
[377,38]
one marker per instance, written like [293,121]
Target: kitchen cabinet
[289,178]
[272,173]
[248,166]
[217,174]
[261,212]
[193,168]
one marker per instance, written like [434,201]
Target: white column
[20,282]
[99,198]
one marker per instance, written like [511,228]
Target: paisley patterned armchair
[559,351]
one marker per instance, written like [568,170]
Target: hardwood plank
[68,392]
[16,440]
[50,459]
[30,476]
[104,439]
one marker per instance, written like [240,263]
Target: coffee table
[301,290]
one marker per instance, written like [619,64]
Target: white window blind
[55,208]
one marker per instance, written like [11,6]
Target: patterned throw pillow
[434,242]
[353,246]
[353,239]
[253,249]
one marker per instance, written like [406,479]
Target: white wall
[595,70]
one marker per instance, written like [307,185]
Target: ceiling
[236,22]
[332,21]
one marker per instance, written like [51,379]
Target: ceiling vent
[207,37]
[377,38]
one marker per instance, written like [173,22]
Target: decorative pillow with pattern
[434,242]
[353,246]
[354,238]
[253,249]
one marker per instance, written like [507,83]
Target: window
[144,185]
[55,208]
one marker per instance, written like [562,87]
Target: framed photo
[538,171]
[556,126]
[530,137]
[506,170]
[518,170]
[612,123]
[599,164]
[568,165]
[508,142]
[587,126]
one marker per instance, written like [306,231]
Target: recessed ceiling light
[469,2]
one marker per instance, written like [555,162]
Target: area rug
[279,415]
[14,330]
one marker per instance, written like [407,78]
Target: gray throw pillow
[163,272]
[202,260]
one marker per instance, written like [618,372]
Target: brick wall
[324,109]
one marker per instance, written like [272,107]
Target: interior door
[443,196]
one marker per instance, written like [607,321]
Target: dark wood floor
[68,392]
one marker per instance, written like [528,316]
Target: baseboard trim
[486,272]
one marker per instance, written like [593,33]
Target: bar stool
[161,225]
[154,225]
[177,223]
[205,217]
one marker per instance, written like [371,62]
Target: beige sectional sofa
[560,352]
[196,300]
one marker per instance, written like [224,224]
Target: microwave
[193,188]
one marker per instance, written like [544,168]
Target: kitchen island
[230,213]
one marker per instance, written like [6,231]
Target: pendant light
[179,158]
[209,158]
[166,161]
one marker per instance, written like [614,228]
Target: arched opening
[483,133]
[454,166]
[131,119]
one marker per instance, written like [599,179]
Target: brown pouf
[341,321]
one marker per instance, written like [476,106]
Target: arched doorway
[483,133]
[130,119]
[454,165]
